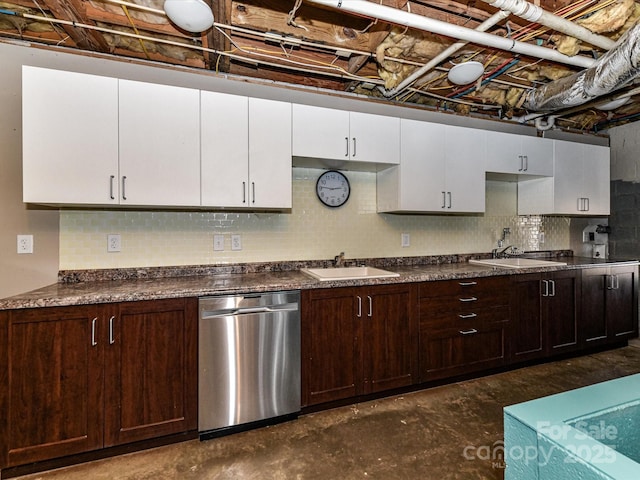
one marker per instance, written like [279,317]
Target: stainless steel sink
[347,273]
[517,262]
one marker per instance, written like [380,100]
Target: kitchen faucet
[338,260]
[497,253]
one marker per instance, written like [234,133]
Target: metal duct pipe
[533,13]
[400,17]
[442,56]
[612,71]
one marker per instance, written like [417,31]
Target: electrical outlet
[541,237]
[113,242]
[236,242]
[25,244]
[405,239]
[218,243]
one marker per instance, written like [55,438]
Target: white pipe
[400,17]
[536,14]
[442,56]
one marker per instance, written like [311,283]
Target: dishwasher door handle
[249,311]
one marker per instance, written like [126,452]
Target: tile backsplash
[309,231]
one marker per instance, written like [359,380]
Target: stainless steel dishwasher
[249,361]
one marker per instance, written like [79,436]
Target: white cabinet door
[580,185]
[416,184]
[270,169]
[325,133]
[320,132]
[503,151]
[441,171]
[465,170]
[581,179]
[518,154]
[224,125]
[374,138]
[70,137]
[597,179]
[159,133]
[538,156]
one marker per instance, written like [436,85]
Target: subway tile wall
[310,231]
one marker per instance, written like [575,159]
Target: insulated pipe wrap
[614,70]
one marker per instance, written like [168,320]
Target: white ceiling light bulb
[465,73]
[189,15]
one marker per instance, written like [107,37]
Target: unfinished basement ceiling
[305,43]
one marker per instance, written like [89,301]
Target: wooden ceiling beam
[98,15]
[216,39]
[74,11]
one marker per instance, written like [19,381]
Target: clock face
[333,188]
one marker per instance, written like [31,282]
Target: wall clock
[333,188]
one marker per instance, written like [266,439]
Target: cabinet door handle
[93,332]
[470,299]
[370,306]
[444,199]
[468,315]
[112,340]
[587,204]
[124,193]
[467,284]
[244,192]
[347,149]
[521,163]
[553,288]
[111,179]
[253,192]
[468,332]
[526,163]
[609,282]
[359,306]
[546,288]
[449,194]
[354,147]
[615,282]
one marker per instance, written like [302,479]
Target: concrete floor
[447,432]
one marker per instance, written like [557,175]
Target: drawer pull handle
[468,332]
[93,332]
[470,299]
[467,284]
[468,315]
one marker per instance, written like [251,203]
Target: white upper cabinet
[580,185]
[225,149]
[246,152]
[159,131]
[270,168]
[70,137]
[441,171]
[519,154]
[348,137]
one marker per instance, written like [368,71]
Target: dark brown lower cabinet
[609,305]
[87,377]
[357,341]
[463,326]
[545,314]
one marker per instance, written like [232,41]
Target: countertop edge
[115,291]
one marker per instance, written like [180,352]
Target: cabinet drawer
[465,319]
[458,351]
[494,286]
[462,303]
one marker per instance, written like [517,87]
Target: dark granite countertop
[203,281]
